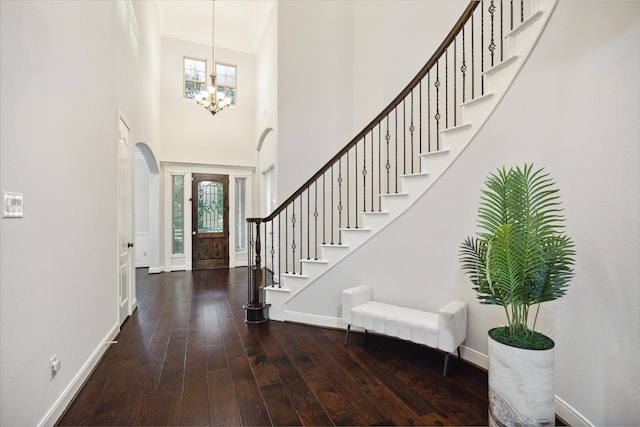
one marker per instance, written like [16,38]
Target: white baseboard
[570,415]
[313,319]
[155,270]
[475,357]
[76,383]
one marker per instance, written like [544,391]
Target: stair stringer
[520,43]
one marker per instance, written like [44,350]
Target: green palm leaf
[520,256]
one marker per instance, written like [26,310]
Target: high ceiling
[239,24]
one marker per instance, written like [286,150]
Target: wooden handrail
[466,15]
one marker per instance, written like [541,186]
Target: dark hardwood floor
[186,357]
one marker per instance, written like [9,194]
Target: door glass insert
[210,207]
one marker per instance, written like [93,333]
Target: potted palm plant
[519,259]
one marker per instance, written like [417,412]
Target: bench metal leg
[446,364]
[346,338]
[366,336]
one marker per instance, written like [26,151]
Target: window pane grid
[241,225]
[226,81]
[195,77]
[178,215]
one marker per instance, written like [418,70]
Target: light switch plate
[11,205]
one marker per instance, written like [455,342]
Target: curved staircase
[470,116]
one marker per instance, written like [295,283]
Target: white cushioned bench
[444,330]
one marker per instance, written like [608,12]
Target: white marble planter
[521,386]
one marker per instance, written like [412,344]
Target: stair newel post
[255,309]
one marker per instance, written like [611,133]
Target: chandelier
[212,100]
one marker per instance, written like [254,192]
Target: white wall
[331,86]
[315,88]
[189,133]
[142,206]
[67,67]
[574,110]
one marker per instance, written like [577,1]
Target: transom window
[195,77]
[226,80]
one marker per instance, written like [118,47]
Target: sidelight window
[178,214]
[241,216]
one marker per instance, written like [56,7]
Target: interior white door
[125,233]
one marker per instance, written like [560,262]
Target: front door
[210,221]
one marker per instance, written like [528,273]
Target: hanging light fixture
[212,100]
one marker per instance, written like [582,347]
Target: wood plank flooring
[186,357]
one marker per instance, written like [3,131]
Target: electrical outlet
[55,364]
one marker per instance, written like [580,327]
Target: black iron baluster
[286,239]
[372,172]
[332,225]
[473,68]
[411,129]
[501,30]
[324,192]
[293,236]
[279,251]
[446,91]
[482,47]
[315,217]
[379,164]
[437,116]
[463,68]
[348,193]
[521,11]
[492,44]
[420,118]
[404,135]
[339,200]
[301,219]
[455,81]
[428,113]
[355,174]
[308,224]
[364,173]
[396,147]
[511,15]
[387,165]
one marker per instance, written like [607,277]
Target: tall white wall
[339,65]
[315,87]
[66,68]
[266,104]
[574,110]
[189,133]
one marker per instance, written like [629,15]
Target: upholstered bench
[444,330]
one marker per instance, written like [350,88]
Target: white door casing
[126,279]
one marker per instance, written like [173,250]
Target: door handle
[193,233]
[129,245]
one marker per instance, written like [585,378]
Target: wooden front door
[210,221]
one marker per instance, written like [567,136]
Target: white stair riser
[413,184]
[313,269]
[355,236]
[374,220]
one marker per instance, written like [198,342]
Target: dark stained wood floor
[186,357]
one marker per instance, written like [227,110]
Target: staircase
[443,119]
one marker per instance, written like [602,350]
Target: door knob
[193,233]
